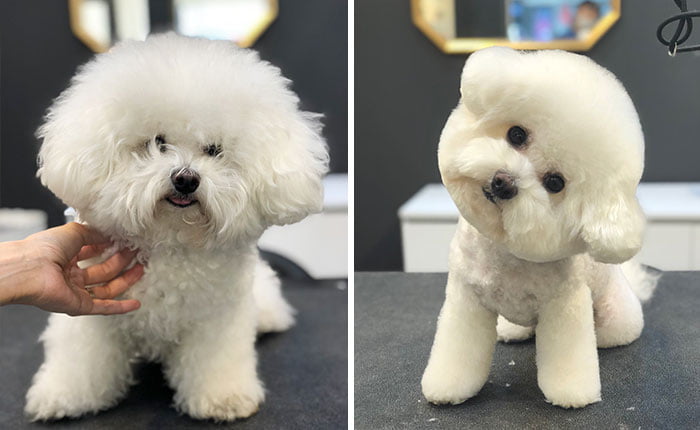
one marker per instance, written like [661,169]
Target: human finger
[89,251]
[118,285]
[112,307]
[108,270]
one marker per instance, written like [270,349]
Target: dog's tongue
[180,201]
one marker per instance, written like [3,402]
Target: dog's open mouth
[489,196]
[181,201]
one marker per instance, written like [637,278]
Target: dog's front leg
[213,369]
[463,348]
[567,358]
[86,368]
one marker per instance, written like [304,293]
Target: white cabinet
[672,238]
[16,224]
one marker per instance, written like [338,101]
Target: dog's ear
[291,174]
[613,228]
[74,157]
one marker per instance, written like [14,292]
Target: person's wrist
[20,280]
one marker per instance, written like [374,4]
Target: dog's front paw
[440,386]
[53,400]
[568,395]
[222,404]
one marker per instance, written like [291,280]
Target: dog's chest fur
[505,284]
[180,289]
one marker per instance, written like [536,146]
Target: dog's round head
[543,154]
[182,139]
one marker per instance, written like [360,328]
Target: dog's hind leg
[618,312]
[510,332]
[274,314]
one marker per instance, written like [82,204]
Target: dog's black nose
[503,186]
[185,181]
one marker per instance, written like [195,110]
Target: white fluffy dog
[187,149]
[542,156]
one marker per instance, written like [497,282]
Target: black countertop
[304,371]
[652,383]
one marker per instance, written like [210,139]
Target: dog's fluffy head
[133,118]
[541,121]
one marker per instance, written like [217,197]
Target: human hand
[48,275]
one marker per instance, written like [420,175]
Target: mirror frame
[95,46]
[464,45]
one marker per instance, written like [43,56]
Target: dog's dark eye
[553,182]
[212,150]
[160,142]
[517,136]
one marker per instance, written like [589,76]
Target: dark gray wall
[308,41]
[405,88]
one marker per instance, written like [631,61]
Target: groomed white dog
[187,149]
[542,156]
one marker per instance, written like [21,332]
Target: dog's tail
[642,279]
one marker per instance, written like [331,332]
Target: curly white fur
[547,262]
[131,119]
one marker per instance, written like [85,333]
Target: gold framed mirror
[463,26]
[101,23]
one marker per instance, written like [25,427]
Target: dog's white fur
[205,289]
[547,262]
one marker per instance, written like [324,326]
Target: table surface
[652,383]
[304,371]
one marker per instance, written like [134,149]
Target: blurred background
[407,69]
[43,42]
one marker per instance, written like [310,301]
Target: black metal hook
[683,30]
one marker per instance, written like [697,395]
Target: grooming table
[304,371]
[652,383]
